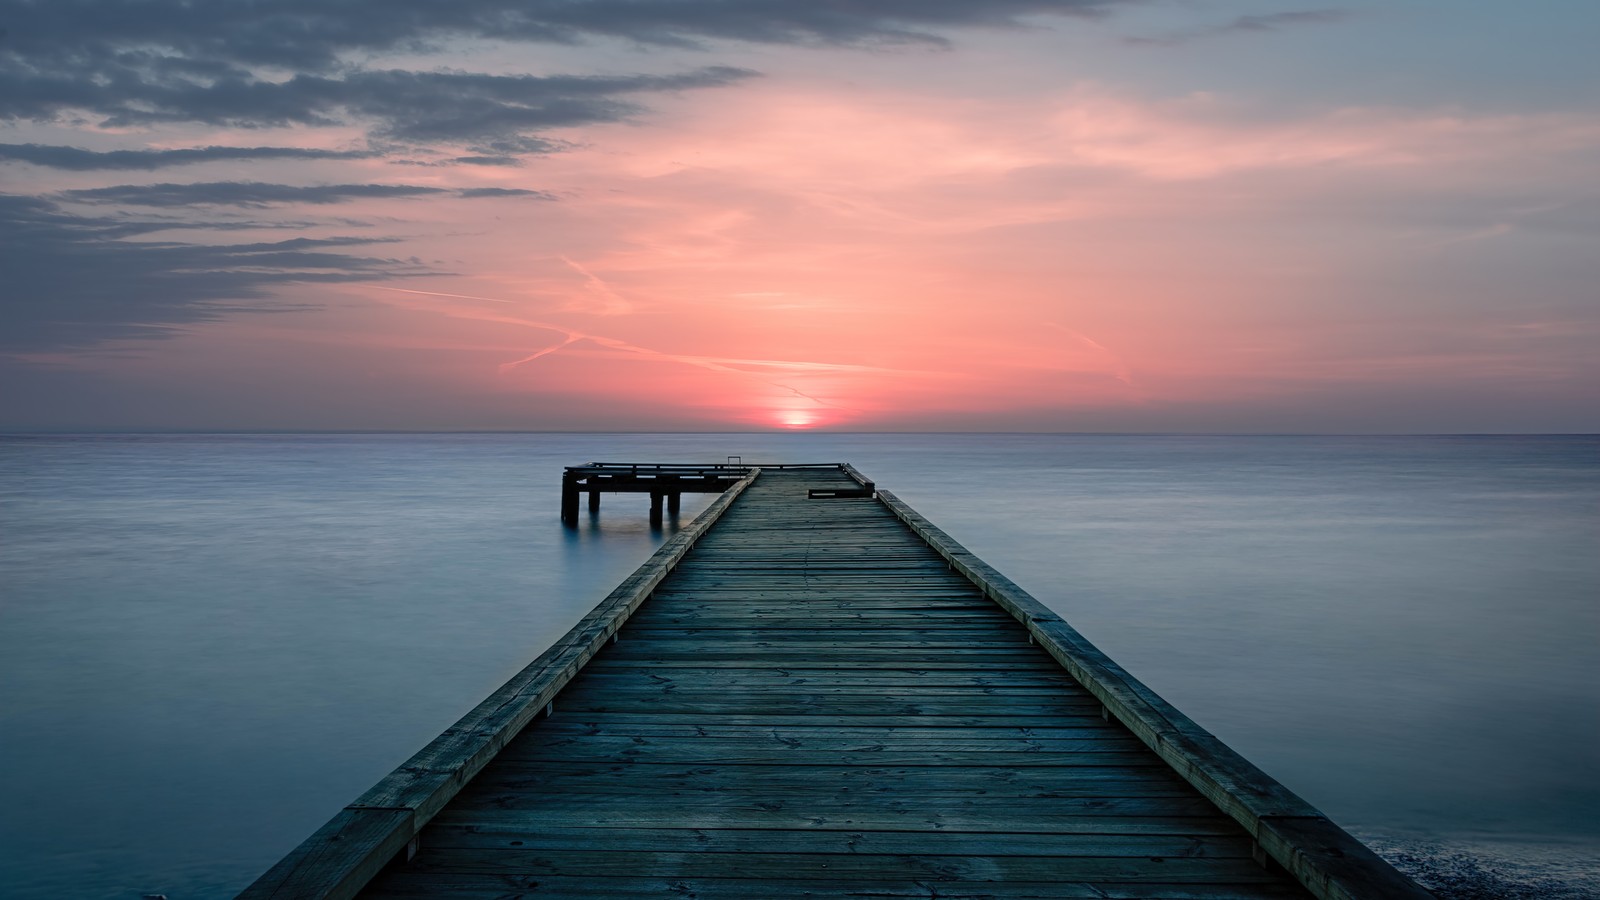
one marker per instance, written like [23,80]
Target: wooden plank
[891,662]
[873,729]
[767,754]
[809,705]
[648,780]
[818,720]
[942,679]
[913,654]
[883,690]
[891,674]
[896,812]
[828,866]
[1126,816]
[815,617]
[531,835]
[500,886]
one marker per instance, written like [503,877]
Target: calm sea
[209,644]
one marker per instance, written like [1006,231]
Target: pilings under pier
[665,483]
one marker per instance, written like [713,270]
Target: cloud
[255,194]
[1275,21]
[932,150]
[487,160]
[73,282]
[504,192]
[80,160]
[493,112]
[224,63]
[80,270]
[1265,22]
[217,39]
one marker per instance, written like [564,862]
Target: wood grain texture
[817,703]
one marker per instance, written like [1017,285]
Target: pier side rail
[343,855]
[1329,862]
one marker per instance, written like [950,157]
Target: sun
[796,418]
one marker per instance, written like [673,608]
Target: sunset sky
[1019,215]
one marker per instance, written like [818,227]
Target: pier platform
[666,483]
[812,691]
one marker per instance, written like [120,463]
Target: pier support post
[569,501]
[594,501]
[674,502]
[655,508]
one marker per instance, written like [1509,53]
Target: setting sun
[796,418]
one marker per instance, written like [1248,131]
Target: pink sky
[913,239]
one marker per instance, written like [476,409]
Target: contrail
[505,367]
[1122,374]
[618,304]
[572,336]
[379,287]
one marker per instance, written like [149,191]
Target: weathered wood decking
[827,697]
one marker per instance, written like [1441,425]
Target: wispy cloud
[255,194]
[79,160]
[1253,24]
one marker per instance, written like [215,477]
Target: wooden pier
[812,691]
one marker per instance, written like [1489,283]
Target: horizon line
[4,432]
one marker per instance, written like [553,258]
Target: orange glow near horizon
[795,259]
[797,419]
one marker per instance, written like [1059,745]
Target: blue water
[208,644]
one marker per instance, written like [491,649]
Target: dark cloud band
[256,194]
[493,113]
[216,39]
[80,160]
[1263,22]
[152,61]
[73,281]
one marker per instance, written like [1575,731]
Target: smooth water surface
[208,644]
